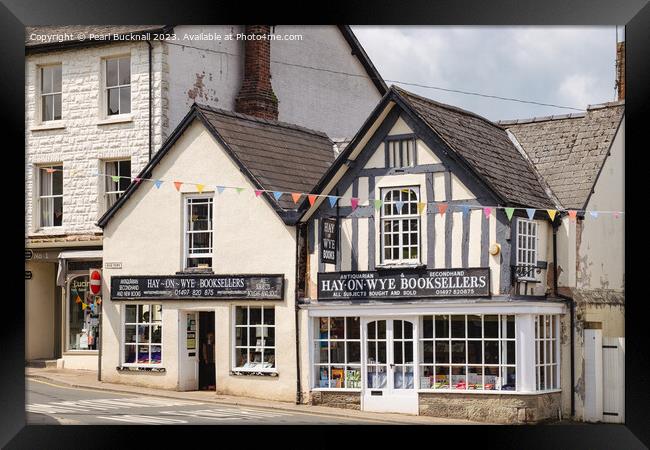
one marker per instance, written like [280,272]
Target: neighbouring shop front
[438,347]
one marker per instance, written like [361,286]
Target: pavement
[285,412]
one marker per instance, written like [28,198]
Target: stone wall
[504,409]
[346,400]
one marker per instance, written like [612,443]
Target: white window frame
[234,347]
[316,341]
[399,218]
[137,324]
[119,87]
[547,347]
[186,233]
[527,232]
[401,152]
[40,198]
[107,179]
[502,364]
[41,95]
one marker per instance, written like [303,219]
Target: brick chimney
[620,69]
[256,96]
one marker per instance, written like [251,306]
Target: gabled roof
[569,150]
[481,146]
[360,53]
[275,156]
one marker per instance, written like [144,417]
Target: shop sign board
[405,284]
[328,240]
[198,287]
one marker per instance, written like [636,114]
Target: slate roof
[275,155]
[282,157]
[570,150]
[486,148]
[76,30]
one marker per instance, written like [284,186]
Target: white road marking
[105,404]
[227,414]
[141,419]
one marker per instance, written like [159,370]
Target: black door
[207,347]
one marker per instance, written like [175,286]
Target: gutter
[150,95]
[571,303]
[299,233]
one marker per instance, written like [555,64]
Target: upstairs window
[118,85]
[400,225]
[114,189]
[50,197]
[401,153]
[527,245]
[51,93]
[198,232]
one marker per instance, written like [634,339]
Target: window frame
[137,344]
[395,146]
[234,347]
[106,179]
[315,349]
[105,88]
[399,218]
[500,365]
[186,232]
[553,367]
[530,259]
[42,95]
[38,223]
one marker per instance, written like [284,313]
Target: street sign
[95,281]
[28,254]
[28,274]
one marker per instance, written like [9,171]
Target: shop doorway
[390,352]
[207,349]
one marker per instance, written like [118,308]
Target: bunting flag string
[355,202]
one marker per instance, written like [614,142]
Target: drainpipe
[150,102]
[569,301]
[299,235]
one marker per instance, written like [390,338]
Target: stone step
[41,363]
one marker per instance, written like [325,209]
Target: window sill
[48,231]
[122,118]
[71,352]
[336,389]
[251,373]
[140,369]
[49,125]
[413,265]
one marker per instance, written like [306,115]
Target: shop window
[198,232]
[142,335]
[337,352]
[527,245]
[114,189]
[400,226]
[50,197]
[468,352]
[547,373]
[50,93]
[117,75]
[254,339]
[401,153]
[83,315]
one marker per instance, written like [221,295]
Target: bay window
[337,352]
[254,339]
[142,335]
[547,352]
[400,225]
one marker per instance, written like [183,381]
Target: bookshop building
[422,295]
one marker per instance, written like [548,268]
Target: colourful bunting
[115,178]
[465,209]
[312,199]
[50,170]
[551,214]
[594,214]
[509,213]
[99,301]
[616,215]
[399,204]
[531,213]
[332,200]
[572,214]
[377,203]
[137,180]
[487,211]
[177,185]
[84,306]
[157,183]
[442,207]
[277,195]
[421,206]
[78,299]
[257,192]
[354,202]
[220,189]
[239,190]
[296,196]
[200,187]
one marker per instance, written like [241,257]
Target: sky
[566,66]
